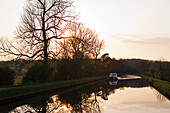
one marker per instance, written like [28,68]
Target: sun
[67,33]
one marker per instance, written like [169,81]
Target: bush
[69,69]
[6,75]
[39,73]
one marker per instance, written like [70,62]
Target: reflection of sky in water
[133,100]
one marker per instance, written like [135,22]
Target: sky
[130,28]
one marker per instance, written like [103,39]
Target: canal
[126,95]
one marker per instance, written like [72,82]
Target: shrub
[39,73]
[6,75]
[69,69]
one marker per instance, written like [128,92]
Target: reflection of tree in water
[159,96]
[80,100]
[40,106]
[85,99]
[24,109]
[52,105]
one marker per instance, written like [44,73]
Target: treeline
[56,70]
[156,69]
[70,69]
[64,69]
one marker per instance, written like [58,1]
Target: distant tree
[165,74]
[142,67]
[160,64]
[42,24]
[105,57]
[152,71]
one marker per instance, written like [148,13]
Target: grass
[17,90]
[160,85]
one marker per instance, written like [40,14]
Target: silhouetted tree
[105,57]
[98,46]
[84,42]
[42,24]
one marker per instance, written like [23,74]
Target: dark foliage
[6,75]
[74,69]
[68,69]
[155,69]
[39,73]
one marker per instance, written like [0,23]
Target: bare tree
[42,24]
[98,46]
[84,42]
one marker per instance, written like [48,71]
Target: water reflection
[90,99]
[159,96]
[113,81]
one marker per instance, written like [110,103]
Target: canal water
[123,96]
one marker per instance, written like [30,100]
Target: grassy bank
[6,92]
[160,85]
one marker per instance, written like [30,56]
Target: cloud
[141,39]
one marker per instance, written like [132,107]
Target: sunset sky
[130,28]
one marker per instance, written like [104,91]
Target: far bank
[160,85]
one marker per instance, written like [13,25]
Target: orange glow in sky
[67,33]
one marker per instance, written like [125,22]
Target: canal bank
[160,85]
[10,95]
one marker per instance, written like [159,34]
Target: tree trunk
[45,39]
[45,53]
